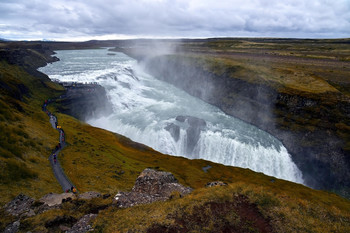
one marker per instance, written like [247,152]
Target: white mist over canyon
[169,120]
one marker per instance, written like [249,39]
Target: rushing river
[169,120]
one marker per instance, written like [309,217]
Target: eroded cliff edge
[313,126]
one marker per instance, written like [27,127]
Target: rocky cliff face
[308,125]
[30,55]
[85,101]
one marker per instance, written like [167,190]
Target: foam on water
[144,107]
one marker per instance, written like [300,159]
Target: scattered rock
[12,228]
[151,186]
[53,199]
[89,195]
[206,168]
[83,225]
[19,205]
[105,196]
[129,199]
[215,183]
[121,172]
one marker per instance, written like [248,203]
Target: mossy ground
[287,207]
[101,161]
[26,137]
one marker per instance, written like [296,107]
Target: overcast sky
[113,19]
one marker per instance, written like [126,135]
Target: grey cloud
[180,18]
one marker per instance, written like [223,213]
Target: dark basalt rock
[84,101]
[151,186]
[13,227]
[174,131]
[196,125]
[192,121]
[20,205]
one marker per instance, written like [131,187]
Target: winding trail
[61,177]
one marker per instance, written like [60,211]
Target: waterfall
[169,120]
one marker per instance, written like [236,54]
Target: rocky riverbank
[84,100]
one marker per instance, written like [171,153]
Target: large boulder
[53,199]
[151,186]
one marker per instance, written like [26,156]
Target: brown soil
[238,215]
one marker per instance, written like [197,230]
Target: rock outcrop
[85,101]
[83,225]
[149,187]
[53,199]
[193,127]
[23,207]
[13,227]
[20,205]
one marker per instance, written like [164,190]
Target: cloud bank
[107,19]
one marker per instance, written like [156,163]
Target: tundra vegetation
[98,160]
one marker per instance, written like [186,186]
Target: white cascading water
[169,120]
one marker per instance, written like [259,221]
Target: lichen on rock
[149,187]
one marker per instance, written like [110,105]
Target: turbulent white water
[145,110]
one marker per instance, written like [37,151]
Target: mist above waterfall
[158,114]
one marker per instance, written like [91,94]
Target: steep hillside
[98,160]
[26,139]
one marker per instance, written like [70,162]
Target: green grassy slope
[26,138]
[101,161]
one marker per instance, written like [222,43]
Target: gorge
[171,121]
